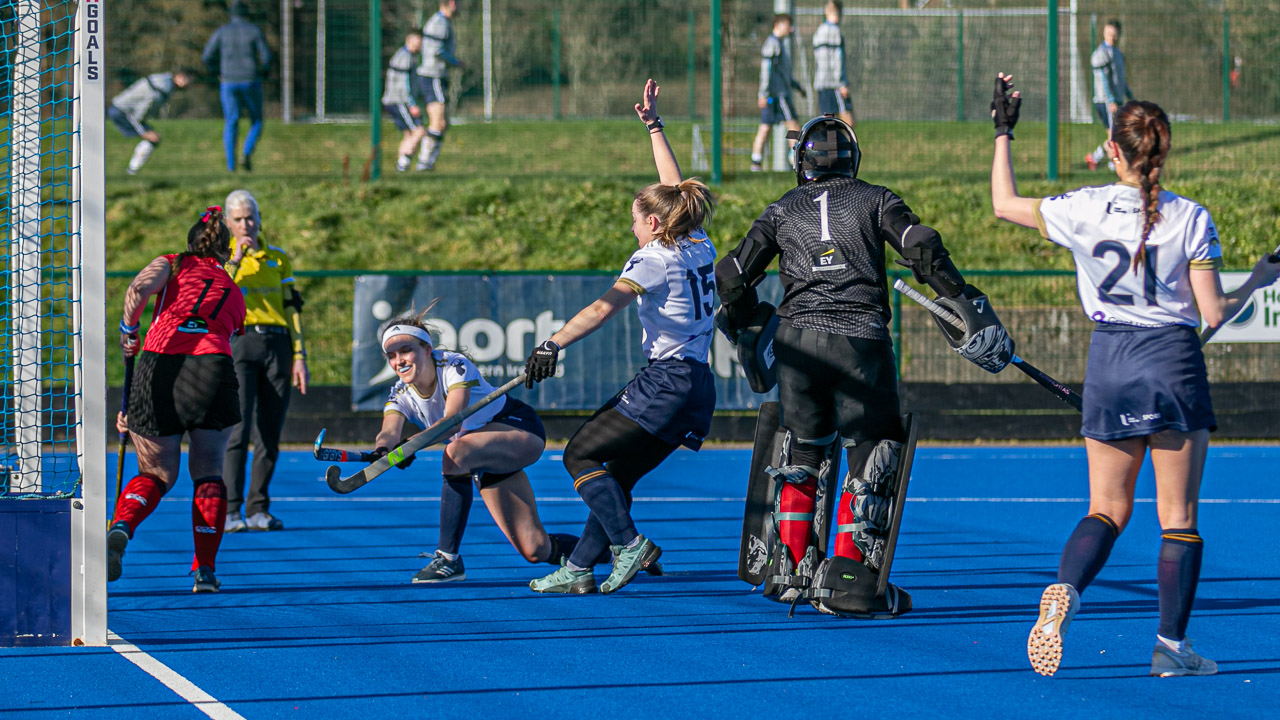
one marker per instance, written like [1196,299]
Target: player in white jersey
[1143,257]
[491,449]
[670,402]
[831,75]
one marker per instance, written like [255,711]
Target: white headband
[394,330]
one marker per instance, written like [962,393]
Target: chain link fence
[919,72]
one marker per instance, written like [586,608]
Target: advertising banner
[497,319]
[1259,321]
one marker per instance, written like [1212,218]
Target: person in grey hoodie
[238,53]
[130,109]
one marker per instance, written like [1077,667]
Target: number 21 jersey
[1102,227]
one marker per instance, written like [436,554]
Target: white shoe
[235,524]
[261,521]
[1058,605]
[1167,662]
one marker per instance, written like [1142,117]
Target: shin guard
[137,500]
[208,519]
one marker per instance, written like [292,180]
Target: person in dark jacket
[238,53]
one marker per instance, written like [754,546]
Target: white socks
[140,155]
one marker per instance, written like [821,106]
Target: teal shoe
[117,540]
[628,562]
[567,581]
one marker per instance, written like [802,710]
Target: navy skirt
[1141,381]
[671,399]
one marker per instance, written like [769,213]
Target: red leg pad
[845,546]
[797,535]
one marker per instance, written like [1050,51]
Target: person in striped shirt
[398,102]
[831,78]
[130,109]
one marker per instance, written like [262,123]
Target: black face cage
[826,146]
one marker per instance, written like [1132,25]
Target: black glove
[723,325]
[1005,107]
[381,452]
[541,363]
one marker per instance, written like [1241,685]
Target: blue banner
[497,319]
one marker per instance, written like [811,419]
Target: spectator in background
[1110,88]
[830,78]
[268,358]
[439,53]
[129,111]
[776,82]
[398,102]
[238,53]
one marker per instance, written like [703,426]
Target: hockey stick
[124,436]
[1208,333]
[1062,392]
[339,455]
[424,439]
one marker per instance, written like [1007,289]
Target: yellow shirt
[262,276]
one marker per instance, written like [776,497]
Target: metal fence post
[1051,110]
[555,63]
[375,88]
[960,66]
[717,116]
[1226,67]
[693,78]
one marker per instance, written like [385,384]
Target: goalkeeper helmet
[826,146]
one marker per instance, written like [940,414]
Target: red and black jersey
[198,311]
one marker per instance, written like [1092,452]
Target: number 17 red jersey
[198,311]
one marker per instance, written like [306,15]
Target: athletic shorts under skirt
[1140,381]
[671,399]
[172,394]
[518,414]
[830,101]
[835,383]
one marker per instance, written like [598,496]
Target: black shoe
[206,581]
[117,539]
[247,164]
[441,569]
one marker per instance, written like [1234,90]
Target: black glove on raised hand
[1005,107]
[382,451]
[541,363]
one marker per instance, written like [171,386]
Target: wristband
[656,125]
[128,329]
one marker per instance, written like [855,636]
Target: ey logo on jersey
[828,261]
[194,324]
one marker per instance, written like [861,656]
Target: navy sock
[1177,575]
[608,504]
[562,546]
[593,546]
[1087,551]
[455,506]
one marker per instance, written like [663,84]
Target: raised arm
[1005,201]
[663,157]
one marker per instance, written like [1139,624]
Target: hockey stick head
[319,444]
[342,486]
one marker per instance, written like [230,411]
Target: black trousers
[264,365]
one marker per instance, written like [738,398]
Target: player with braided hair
[185,384]
[670,402]
[1147,265]
[491,449]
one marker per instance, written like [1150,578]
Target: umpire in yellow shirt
[269,357]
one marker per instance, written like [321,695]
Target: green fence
[917,75]
[1040,308]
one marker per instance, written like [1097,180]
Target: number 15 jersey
[677,291]
[1102,227]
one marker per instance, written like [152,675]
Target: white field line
[187,690]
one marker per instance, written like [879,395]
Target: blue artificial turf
[321,619]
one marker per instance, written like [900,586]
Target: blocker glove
[381,452]
[541,363]
[1005,107]
[984,342]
